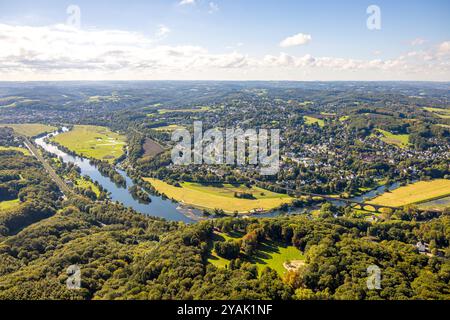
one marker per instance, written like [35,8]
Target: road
[35,152]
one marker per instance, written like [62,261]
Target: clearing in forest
[400,140]
[312,120]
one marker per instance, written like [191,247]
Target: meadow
[186,110]
[415,193]
[30,129]
[82,183]
[441,113]
[6,205]
[93,142]
[221,197]
[171,127]
[400,140]
[274,255]
[269,254]
[23,150]
[312,120]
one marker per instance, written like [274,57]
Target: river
[159,207]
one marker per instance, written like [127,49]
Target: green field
[214,197]
[186,110]
[312,120]
[86,184]
[169,128]
[6,205]
[441,113]
[30,129]
[269,254]
[93,142]
[400,140]
[23,150]
[98,99]
[274,255]
[418,192]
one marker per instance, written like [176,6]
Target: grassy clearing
[312,120]
[186,110]
[269,254]
[274,255]
[400,140]
[23,150]
[169,128]
[415,193]
[93,141]
[6,205]
[441,113]
[86,184]
[212,197]
[30,129]
[98,99]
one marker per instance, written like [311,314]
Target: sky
[225,40]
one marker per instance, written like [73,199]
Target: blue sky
[227,39]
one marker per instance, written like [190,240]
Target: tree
[227,249]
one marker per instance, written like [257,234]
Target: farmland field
[415,193]
[30,129]
[151,148]
[212,197]
[400,140]
[93,141]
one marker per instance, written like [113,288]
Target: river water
[160,207]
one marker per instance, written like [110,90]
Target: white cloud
[60,52]
[162,31]
[444,48]
[417,42]
[296,40]
[185,2]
